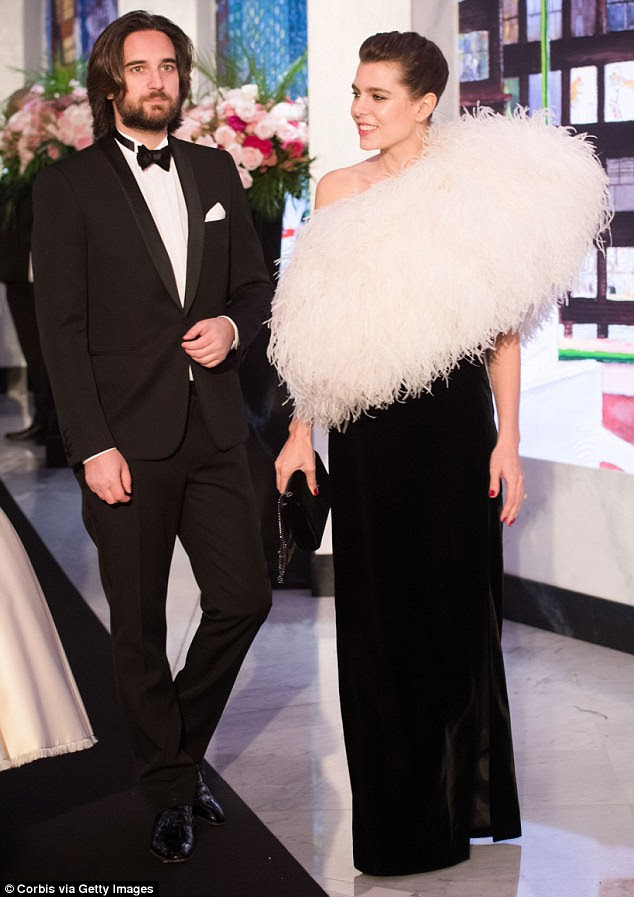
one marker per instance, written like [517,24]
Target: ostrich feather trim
[389,289]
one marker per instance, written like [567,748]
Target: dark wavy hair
[422,62]
[105,73]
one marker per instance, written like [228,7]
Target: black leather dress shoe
[34,431]
[173,835]
[205,804]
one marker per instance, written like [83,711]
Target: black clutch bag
[301,516]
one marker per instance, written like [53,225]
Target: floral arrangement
[51,118]
[268,141]
[44,121]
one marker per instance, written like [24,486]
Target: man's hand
[209,341]
[108,476]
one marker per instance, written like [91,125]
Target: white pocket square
[216,213]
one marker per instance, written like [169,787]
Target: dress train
[41,710]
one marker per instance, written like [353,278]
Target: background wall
[576,530]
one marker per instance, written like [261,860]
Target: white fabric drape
[41,710]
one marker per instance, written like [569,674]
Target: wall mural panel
[578,396]
[74,25]
[274,32]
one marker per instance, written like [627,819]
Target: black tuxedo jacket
[110,317]
[15,243]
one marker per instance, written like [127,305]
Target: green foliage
[267,195]
[233,75]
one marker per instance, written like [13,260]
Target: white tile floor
[280,746]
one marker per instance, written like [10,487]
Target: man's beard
[136,117]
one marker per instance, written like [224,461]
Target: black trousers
[203,496]
[22,306]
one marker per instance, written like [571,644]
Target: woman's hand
[504,371]
[297,454]
[505,465]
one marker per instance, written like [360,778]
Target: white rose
[265,128]
[233,96]
[246,110]
[283,111]
[249,91]
[286,132]
[300,109]
[225,135]
[235,150]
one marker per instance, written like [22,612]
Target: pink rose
[224,135]
[189,129]
[74,126]
[225,109]
[252,158]
[245,177]
[236,123]
[207,140]
[53,151]
[295,148]
[265,146]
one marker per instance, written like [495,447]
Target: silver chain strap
[282,551]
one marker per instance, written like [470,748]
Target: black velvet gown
[417,549]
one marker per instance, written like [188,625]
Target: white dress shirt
[163,194]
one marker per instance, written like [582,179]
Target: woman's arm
[504,371]
[298,453]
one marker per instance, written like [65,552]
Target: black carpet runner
[79,817]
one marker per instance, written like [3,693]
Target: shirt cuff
[105,452]
[236,336]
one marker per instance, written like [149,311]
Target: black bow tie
[146,157]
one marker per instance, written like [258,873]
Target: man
[150,284]
[15,244]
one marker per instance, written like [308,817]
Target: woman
[41,711]
[415,461]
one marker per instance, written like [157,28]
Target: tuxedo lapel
[195,218]
[144,219]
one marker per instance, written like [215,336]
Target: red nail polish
[316,491]
[492,493]
[511,522]
[503,520]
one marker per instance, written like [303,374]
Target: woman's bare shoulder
[339,183]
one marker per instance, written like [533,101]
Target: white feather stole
[387,290]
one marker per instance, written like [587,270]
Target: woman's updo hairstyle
[425,69]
